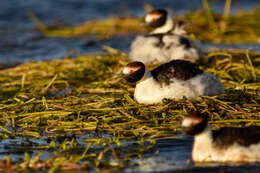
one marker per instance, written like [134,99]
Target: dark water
[172,154]
[20,41]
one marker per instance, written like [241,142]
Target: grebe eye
[131,71]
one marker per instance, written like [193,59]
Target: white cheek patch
[152,18]
[128,70]
[189,122]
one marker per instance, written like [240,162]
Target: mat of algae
[205,25]
[76,114]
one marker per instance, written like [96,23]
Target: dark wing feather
[227,136]
[179,69]
[159,38]
[185,42]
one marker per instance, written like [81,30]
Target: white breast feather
[205,151]
[145,49]
[202,146]
[173,48]
[150,91]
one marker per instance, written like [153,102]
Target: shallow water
[172,154]
[20,41]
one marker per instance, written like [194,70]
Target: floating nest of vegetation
[82,95]
[242,27]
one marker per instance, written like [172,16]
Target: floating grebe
[228,144]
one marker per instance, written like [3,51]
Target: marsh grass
[243,27]
[103,29]
[66,97]
[205,25]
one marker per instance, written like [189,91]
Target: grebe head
[134,71]
[194,123]
[156,18]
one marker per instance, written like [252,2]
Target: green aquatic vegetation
[205,25]
[243,27]
[102,28]
[65,97]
